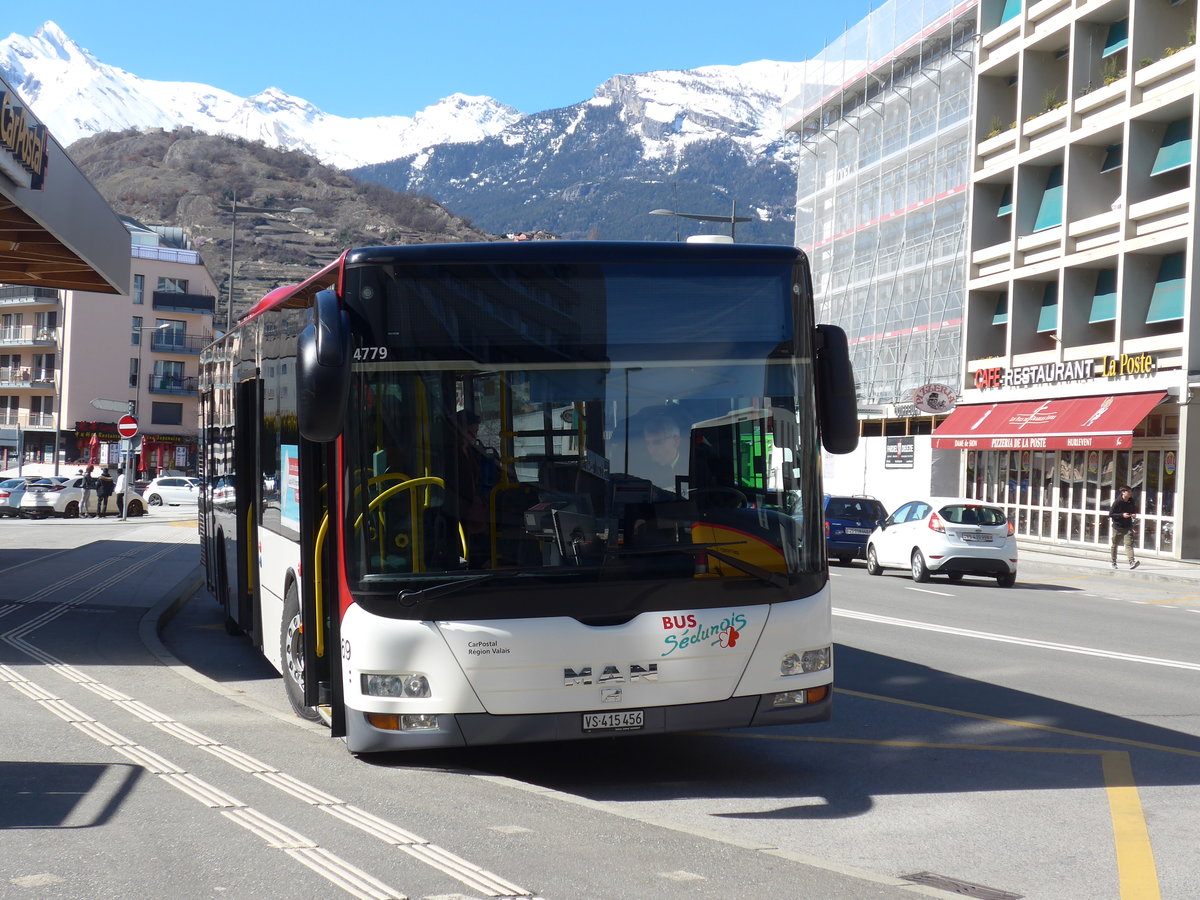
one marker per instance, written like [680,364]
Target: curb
[160,615]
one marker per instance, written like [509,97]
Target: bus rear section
[555,491]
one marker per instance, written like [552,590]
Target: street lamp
[733,218]
[233,208]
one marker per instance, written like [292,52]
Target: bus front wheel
[291,654]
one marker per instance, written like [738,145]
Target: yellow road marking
[1136,871]
[1172,600]
[1018,723]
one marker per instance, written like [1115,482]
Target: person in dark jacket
[104,490]
[1123,514]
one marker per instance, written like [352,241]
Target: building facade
[72,361]
[885,134]
[1081,355]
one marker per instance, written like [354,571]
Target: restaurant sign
[1064,372]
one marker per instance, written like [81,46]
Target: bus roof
[301,295]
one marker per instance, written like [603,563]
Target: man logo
[610,673]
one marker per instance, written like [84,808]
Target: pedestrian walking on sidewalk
[1123,514]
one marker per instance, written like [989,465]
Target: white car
[951,536]
[64,496]
[172,490]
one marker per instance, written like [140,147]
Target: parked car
[64,496]
[11,491]
[172,491]
[951,536]
[849,521]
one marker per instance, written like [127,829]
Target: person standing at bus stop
[1123,514]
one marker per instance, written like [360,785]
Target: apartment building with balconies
[1081,350]
[71,362]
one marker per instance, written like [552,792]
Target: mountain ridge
[703,140]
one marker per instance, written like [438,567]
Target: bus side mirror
[837,400]
[323,370]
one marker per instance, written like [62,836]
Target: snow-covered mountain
[76,95]
[696,140]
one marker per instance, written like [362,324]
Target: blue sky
[393,58]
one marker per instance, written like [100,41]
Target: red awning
[1069,423]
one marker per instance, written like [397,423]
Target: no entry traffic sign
[127,426]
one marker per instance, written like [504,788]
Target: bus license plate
[625,720]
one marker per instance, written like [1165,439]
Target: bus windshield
[579,439]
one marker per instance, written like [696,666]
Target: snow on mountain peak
[76,95]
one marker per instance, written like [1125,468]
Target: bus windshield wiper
[409,597]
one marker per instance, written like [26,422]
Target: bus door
[319,602]
[248,493]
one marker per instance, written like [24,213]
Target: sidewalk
[1038,556]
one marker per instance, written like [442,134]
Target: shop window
[1176,149]
[1166,304]
[1112,158]
[1006,204]
[1048,317]
[1117,38]
[1104,301]
[1050,210]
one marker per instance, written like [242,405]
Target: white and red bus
[487,493]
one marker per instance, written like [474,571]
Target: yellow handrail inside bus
[251,550]
[318,581]
[428,480]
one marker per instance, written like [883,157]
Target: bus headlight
[410,685]
[809,661]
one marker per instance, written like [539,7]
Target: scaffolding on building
[883,170]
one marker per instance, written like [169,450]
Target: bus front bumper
[478,729]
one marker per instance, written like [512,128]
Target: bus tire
[223,592]
[291,655]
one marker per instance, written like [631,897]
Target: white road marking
[928,591]
[1011,639]
[331,867]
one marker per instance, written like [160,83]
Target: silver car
[11,492]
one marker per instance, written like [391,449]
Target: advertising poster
[900,450]
[289,485]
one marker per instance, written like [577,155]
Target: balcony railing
[11,419]
[169,342]
[17,293]
[166,254]
[173,384]
[183,303]
[26,376]
[28,335]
